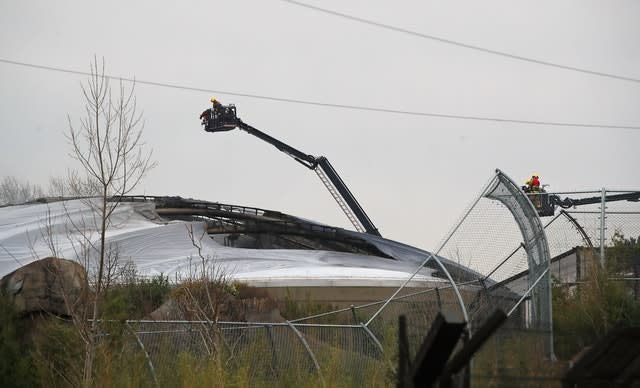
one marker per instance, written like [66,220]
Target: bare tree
[14,191]
[202,295]
[108,145]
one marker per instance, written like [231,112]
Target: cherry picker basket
[221,119]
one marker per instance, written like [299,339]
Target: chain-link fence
[266,353]
[499,255]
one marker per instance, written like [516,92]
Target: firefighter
[217,106]
[215,112]
[533,187]
[535,183]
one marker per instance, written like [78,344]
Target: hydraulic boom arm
[546,203]
[320,165]
[329,177]
[570,202]
[309,161]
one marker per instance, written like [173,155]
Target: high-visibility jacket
[535,184]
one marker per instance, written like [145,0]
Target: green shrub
[584,313]
[58,353]
[15,360]
[135,298]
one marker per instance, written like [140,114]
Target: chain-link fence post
[603,207]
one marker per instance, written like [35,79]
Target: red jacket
[535,182]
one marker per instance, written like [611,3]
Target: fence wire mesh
[483,264]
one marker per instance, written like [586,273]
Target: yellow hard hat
[214,99]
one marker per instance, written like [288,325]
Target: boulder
[50,285]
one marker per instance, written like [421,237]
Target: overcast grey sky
[414,175]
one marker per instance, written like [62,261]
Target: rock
[43,286]
[168,311]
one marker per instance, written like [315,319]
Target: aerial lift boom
[225,119]
[547,202]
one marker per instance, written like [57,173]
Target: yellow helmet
[214,100]
[535,174]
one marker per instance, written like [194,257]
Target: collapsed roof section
[250,227]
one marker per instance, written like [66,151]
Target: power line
[460,44]
[326,104]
